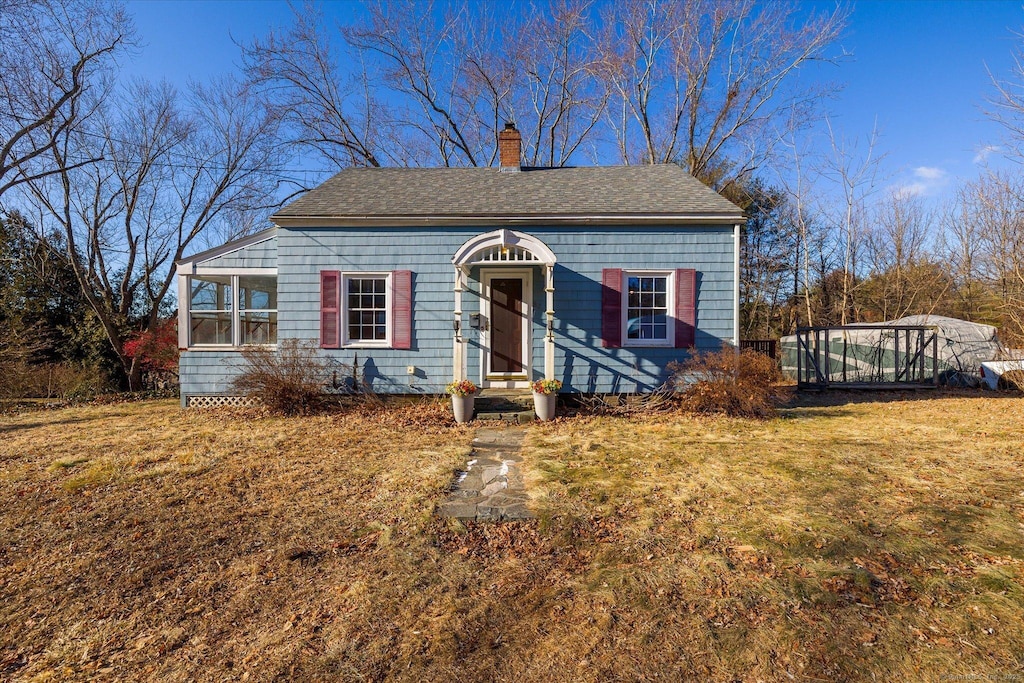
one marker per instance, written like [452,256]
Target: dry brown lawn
[850,539]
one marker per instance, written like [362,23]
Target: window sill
[648,345]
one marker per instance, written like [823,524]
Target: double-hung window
[653,308]
[367,303]
[366,309]
[647,308]
[231,310]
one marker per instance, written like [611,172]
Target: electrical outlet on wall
[410,370]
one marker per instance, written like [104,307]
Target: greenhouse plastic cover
[962,345]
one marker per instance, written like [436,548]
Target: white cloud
[984,153]
[910,190]
[924,181]
[929,173]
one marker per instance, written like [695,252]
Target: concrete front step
[517,416]
[505,405]
[501,405]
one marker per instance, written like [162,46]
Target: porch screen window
[647,310]
[257,305]
[367,305]
[232,310]
[210,309]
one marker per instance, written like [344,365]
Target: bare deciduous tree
[904,276]
[424,56]
[169,177]
[702,83]
[52,52]
[466,70]
[707,82]
[332,113]
[961,244]
[1006,107]
[988,235]
[562,98]
[809,238]
[854,171]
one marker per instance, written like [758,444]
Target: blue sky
[917,70]
[921,71]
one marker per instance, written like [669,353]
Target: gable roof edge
[228,247]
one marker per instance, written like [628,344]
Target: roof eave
[425,221]
[228,247]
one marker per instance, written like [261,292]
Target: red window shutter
[401,309]
[330,305]
[611,308]
[686,308]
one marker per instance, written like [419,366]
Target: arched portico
[496,253]
[503,246]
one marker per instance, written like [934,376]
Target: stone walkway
[491,487]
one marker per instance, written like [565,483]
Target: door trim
[507,381]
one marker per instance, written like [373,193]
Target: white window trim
[389,298]
[670,316]
[185,309]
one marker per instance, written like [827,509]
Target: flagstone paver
[491,487]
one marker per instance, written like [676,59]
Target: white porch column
[184,304]
[549,338]
[458,350]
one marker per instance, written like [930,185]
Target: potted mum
[462,392]
[545,396]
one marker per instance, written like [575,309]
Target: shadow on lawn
[830,399]
[62,419]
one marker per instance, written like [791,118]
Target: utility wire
[193,161]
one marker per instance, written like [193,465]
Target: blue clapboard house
[597,276]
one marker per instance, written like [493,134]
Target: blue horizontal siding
[580,361]
[207,372]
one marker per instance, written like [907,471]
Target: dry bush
[71,381]
[661,399]
[725,382]
[290,380]
[65,381]
[1012,380]
[21,377]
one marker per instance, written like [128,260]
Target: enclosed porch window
[232,310]
[257,304]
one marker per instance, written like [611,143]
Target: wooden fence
[769,347]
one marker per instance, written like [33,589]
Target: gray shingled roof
[627,192]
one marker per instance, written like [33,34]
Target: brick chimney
[510,148]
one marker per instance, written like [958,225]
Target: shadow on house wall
[588,366]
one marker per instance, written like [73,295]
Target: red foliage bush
[155,348]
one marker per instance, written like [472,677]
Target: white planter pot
[544,405]
[462,407]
